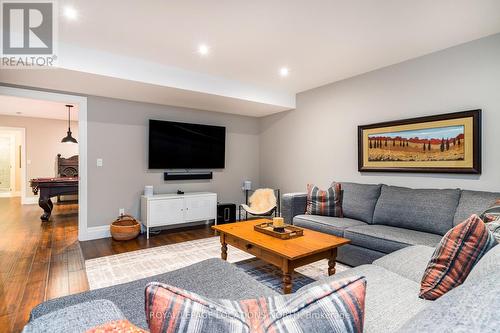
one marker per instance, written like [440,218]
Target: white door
[200,208]
[6,168]
[167,211]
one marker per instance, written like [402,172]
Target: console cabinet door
[200,208]
[168,211]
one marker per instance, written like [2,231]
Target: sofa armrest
[76,318]
[293,204]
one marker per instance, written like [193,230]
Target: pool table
[52,187]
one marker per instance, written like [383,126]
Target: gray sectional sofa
[413,223]
[391,305]
[380,219]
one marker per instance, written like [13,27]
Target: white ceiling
[321,41]
[25,107]
[154,43]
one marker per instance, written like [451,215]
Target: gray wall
[317,142]
[117,133]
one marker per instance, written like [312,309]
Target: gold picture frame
[447,143]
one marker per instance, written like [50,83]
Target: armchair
[264,202]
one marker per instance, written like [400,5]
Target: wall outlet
[121,211]
[99,162]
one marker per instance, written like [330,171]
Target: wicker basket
[125,227]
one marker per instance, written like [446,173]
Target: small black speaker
[226,213]
[187,175]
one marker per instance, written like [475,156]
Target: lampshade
[247,185]
[69,138]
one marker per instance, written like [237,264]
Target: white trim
[82,171]
[95,233]
[10,194]
[83,232]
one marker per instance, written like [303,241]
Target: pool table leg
[46,204]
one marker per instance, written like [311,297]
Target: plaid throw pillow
[331,307]
[455,256]
[326,203]
[491,217]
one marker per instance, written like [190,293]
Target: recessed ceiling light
[70,13]
[284,71]
[203,49]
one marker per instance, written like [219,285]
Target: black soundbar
[187,175]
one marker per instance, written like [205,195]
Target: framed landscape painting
[448,143]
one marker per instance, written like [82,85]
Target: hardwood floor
[40,261]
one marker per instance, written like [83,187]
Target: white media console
[170,209]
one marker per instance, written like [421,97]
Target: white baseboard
[29,201]
[95,233]
[10,194]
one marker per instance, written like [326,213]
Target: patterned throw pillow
[117,326]
[455,256]
[326,203]
[331,307]
[491,217]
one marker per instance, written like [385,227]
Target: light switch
[99,162]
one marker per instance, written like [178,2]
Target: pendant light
[69,138]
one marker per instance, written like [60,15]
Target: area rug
[130,266]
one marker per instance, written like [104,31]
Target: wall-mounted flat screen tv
[174,145]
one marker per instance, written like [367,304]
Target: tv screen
[175,145]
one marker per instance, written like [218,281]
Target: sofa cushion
[473,202]
[427,210]
[489,264]
[467,308]
[388,239]
[76,318]
[390,299]
[208,278]
[354,255]
[409,262]
[329,225]
[455,256]
[341,305]
[359,201]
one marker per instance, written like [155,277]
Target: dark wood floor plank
[78,282]
[32,296]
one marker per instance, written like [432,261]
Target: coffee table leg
[287,278]
[331,262]
[223,247]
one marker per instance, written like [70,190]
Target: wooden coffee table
[285,254]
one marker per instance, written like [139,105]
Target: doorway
[83,231]
[10,162]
